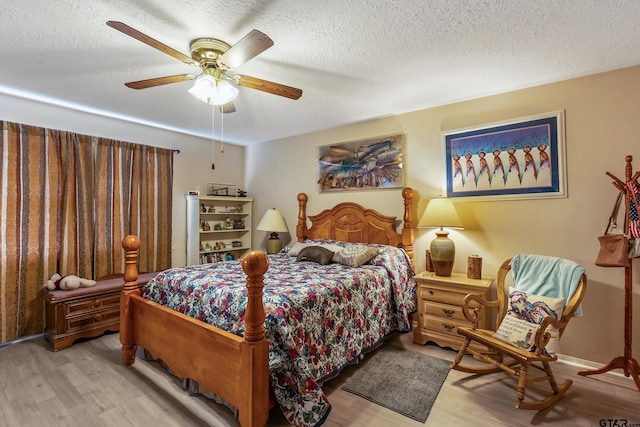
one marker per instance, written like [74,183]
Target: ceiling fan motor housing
[206,51]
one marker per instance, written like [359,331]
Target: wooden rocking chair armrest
[543,336]
[472,313]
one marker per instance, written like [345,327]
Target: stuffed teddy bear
[67,283]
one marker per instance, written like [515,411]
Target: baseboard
[585,364]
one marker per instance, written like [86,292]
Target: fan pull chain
[222,132]
[213,137]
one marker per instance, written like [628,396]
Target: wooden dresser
[440,307]
[84,312]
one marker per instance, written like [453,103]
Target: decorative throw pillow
[298,246]
[517,332]
[355,255]
[529,308]
[316,254]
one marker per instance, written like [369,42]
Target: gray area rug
[404,381]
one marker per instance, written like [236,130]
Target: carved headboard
[350,222]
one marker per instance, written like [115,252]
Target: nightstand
[440,307]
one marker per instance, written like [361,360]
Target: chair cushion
[525,312]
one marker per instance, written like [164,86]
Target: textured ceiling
[354,59]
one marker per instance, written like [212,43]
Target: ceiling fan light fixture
[213,92]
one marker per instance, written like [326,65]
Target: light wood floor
[86,385]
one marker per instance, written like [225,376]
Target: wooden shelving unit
[218,228]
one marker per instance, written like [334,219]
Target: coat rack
[625,362]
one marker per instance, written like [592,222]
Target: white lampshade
[208,90]
[441,213]
[273,222]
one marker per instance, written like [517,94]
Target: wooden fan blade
[267,86]
[132,32]
[229,107]
[248,47]
[158,81]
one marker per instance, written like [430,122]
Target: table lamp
[440,213]
[273,222]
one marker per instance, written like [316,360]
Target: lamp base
[443,254]
[274,244]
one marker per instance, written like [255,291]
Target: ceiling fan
[215,58]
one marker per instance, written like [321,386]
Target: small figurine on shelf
[228,257]
[202,208]
[206,226]
[238,224]
[212,209]
[228,225]
[201,247]
[217,226]
[207,247]
[242,193]
[217,246]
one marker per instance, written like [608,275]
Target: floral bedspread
[318,318]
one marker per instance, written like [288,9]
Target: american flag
[634,196]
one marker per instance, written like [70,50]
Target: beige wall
[602,121]
[191,169]
[602,124]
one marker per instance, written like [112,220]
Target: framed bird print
[522,158]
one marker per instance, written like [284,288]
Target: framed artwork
[369,164]
[522,158]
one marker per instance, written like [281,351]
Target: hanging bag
[614,248]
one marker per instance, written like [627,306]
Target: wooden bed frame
[237,368]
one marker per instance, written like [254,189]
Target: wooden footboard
[235,368]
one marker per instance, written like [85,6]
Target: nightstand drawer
[93,319]
[434,294]
[440,301]
[444,324]
[99,302]
[443,310]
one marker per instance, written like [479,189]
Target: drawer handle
[448,327]
[431,292]
[447,312]
[97,303]
[97,317]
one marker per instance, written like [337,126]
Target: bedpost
[254,264]
[301,228]
[255,411]
[130,244]
[409,227]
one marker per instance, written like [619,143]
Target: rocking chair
[542,276]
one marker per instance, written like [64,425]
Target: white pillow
[296,248]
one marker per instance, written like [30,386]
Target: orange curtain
[28,236]
[67,202]
[133,196]
[75,237]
